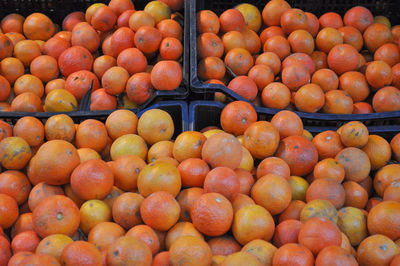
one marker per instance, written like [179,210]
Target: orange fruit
[104,234]
[9,211]
[192,250]
[159,176]
[38,26]
[252,222]
[160,218]
[92,180]
[56,215]
[212,214]
[358,17]
[162,73]
[293,253]
[376,249]
[88,253]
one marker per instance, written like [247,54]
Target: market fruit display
[124,55]
[282,57]
[123,190]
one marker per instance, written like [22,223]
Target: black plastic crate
[203,91]
[177,109]
[207,113]
[58,9]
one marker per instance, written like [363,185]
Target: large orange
[318,233]
[237,116]
[16,185]
[15,153]
[261,139]
[79,83]
[160,218]
[355,162]
[92,180]
[166,75]
[300,154]
[292,254]
[104,234]
[229,151]
[212,214]
[53,245]
[188,145]
[91,134]
[376,250]
[56,215]
[88,254]
[74,59]
[272,192]
[38,26]
[159,176]
[190,249]
[8,210]
[252,222]
[222,180]
[383,217]
[353,223]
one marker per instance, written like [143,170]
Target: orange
[26,51]
[311,235]
[53,245]
[9,211]
[377,249]
[192,250]
[92,180]
[25,241]
[28,83]
[212,214]
[104,234]
[147,235]
[42,191]
[166,75]
[278,45]
[88,253]
[159,176]
[343,58]
[27,102]
[358,17]
[186,199]
[352,36]
[276,95]
[230,151]
[158,10]
[274,200]
[377,35]
[44,67]
[354,134]
[11,68]
[114,80]
[231,19]
[93,212]
[293,19]
[160,211]
[74,59]
[8,46]
[38,26]
[56,215]
[12,23]
[273,11]
[14,153]
[355,162]
[170,28]
[252,222]
[179,230]
[293,253]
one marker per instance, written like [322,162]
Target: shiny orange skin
[222,180]
[56,214]
[92,179]
[212,214]
[300,154]
[293,254]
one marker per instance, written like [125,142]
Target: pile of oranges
[119,50]
[251,193]
[285,58]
